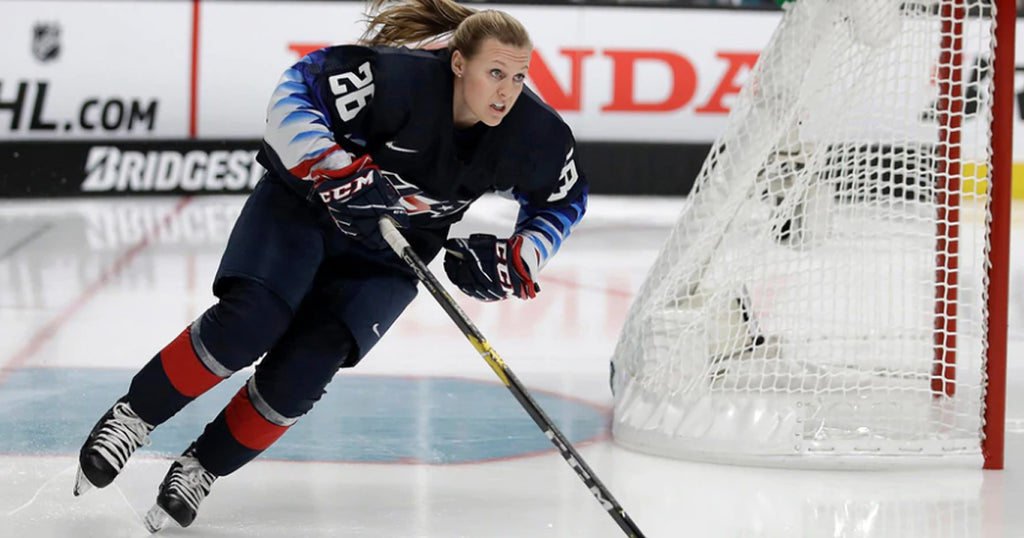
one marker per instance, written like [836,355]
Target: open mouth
[497,106]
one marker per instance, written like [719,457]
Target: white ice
[103,284]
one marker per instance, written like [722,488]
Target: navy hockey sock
[229,336]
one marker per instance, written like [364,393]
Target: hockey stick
[404,251]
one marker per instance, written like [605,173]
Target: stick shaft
[565,448]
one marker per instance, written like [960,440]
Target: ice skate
[186,484]
[110,443]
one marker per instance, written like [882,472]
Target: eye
[496,73]
[519,77]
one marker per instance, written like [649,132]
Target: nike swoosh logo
[375,331]
[391,145]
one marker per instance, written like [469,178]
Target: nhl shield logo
[46,41]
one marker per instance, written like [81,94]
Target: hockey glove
[357,196]
[488,268]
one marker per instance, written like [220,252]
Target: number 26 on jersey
[352,91]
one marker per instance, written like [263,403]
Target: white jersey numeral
[567,179]
[353,91]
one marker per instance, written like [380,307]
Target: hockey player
[354,133]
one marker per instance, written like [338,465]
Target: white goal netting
[821,300]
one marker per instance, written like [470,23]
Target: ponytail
[421,22]
[412,22]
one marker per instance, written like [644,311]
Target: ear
[458,63]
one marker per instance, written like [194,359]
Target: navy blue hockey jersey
[396,105]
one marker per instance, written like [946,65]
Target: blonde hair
[419,22]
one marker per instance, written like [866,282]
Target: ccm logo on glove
[356,197]
[501,251]
[488,268]
[344,192]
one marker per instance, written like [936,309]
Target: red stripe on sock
[248,426]
[183,367]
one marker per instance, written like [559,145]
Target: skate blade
[82,483]
[156,519]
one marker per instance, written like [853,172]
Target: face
[487,85]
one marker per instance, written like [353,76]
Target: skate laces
[120,436]
[190,480]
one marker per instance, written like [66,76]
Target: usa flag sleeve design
[299,129]
[546,228]
[547,217]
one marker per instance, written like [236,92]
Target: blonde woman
[354,133]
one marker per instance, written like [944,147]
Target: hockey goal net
[834,291]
